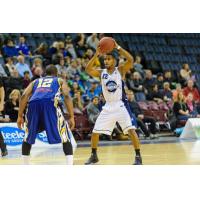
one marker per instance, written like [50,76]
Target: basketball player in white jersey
[116,108]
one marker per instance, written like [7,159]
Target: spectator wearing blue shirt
[21,66]
[9,50]
[149,81]
[167,93]
[95,90]
[22,47]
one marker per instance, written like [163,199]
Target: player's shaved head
[51,71]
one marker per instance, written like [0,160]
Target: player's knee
[26,149]
[132,132]
[67,148]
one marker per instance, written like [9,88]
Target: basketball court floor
[162,151]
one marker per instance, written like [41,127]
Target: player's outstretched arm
[22,104]
[124,68]
[90,68]
[68,103]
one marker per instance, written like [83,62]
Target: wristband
[118,47]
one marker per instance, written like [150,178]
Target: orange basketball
[106,44]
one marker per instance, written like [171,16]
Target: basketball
[106,44]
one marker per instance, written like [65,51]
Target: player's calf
[3,148]
[26,150]
[68,151]
[136,143]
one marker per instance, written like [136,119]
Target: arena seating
[161,51]
[167,50]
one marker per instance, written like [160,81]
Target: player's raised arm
[91,68]
[124,68]
[22,104]
[68,103]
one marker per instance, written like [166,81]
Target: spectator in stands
[61,67]
[12,105]
[3,148]
[180,108]
[149,81]
[191,105]
[72,69]
[101,35]
[191,89]
[77,103]
[135,84]
[79,81]
[2,71]
[168,78]
[54,48]
[138,66]
[10,67]
[38,72]
[70,47]
[93,41]
[22,47]
[9,50]
[166,92]
[80,47]
[89,53]
[27,79]
[155,95]
[93,110]
[2,95]
[21,66]
[102,101]
[44,52]
[37,62]
[16,74]
[94,90]
[76,88]
[185,74]
[141,119]
[176,91]
[160,81]
[61,48]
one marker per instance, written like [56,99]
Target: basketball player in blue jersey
[44,113]
[116,108]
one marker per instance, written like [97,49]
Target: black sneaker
[138,160]
[4,153]
[92,160]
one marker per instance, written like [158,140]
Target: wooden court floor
[181,153]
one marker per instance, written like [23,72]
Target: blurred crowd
[21,65]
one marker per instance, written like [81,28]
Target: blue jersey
[47,88]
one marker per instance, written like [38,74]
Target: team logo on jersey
[111,86]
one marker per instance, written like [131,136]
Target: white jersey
[116,108]
[112,86]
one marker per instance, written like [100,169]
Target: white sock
[69,159]
[26,160]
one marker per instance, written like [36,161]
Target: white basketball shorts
[112,113]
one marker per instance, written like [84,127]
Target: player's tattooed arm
[68,102]
[23,103]
[91,68]
[128,64]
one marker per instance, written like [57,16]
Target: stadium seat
[82,126]
[38,35]
[60,36]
